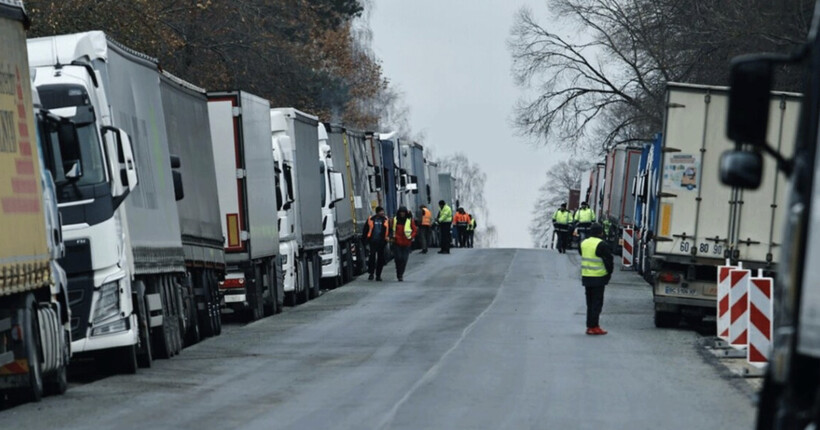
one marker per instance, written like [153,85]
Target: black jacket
[604,253]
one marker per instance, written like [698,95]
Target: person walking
[426,223]
[403,230]
[445,223]
[561,221]
[596,270]
[376,233]
[461,221]
[584,217]
[471,231]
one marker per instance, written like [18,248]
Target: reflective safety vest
[471,225]
[370,228]
[445,215]
[426,217]
[562,217]
[607,224]
[585,215]
[461,220]
[592,266]
[408,228]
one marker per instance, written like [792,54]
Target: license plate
[681,291]
[234,298]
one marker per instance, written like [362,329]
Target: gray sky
[451,60]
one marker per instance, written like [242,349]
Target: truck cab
[90,199]
[333,191]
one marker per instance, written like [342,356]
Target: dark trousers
[462,236]
[562,234]
[470,235]
[444,237]
[595,302]
[375,260]
[424,236]
[401,254]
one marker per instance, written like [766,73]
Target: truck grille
[80,289]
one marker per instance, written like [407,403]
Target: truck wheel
[162,336]
[216,309]
[279,287]
[302,281]
[57,382]
[207,326]
[34,391]
[125,359]
[667,319]
[269,307]
[348,272]
[144,353]
[315,277]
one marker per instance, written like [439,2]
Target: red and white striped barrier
[723,285]
[738,307]
[626,253]
[761,311]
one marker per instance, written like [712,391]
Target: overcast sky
[451,60]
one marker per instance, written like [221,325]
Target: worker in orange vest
[425,227]
[461,220]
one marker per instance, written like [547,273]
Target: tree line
[595,71]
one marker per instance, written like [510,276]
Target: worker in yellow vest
[471,231]
[561,223]
[596,270]
[445,221]
[584,217]
[425,226]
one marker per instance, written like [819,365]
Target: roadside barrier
[723,286]
[761,311]
[738,307]
[626,238]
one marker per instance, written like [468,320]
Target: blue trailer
[646,202]
[389,177]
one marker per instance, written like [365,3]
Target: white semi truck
[295,148]
[35,335]
[124,254]
[334,257]
[699,221]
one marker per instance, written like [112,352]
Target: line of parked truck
[670,216]
[135,207]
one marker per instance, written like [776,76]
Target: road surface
[479,339]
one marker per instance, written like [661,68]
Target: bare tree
[605,84]
[562,178]
[470,180]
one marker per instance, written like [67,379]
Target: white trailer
[700,222]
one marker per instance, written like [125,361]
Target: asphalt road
[479,339]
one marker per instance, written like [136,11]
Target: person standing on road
[471,231]
[561,221]
[403,230]
[376,234]
[584,217]
[461,221]
[596,270]
[425,224]
[445,221]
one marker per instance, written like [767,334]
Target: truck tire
[216,309]
[34,391]
[57,381]
[315,276]
[348,270]
[303,281]
[207,323]
[667,319]
[175,295]
[279,286]
[144,353]
[269,307]
[162,336]
[125,360]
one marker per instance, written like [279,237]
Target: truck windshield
[73,102]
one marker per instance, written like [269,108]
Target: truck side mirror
[338,184]
[750,83]
[742,169]
[126,181]
[179,190]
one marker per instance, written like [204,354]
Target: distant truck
[647,180]
[124,253]
[700,222]
[349,209]
[246,190]
[295,146]
[186,112]
[618,200]
[35,335]
[336,259]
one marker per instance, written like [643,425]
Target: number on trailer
[717,250]
[684,246]
[704,248]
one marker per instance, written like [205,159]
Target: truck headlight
[110,328]
[326,250]
[108,305]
